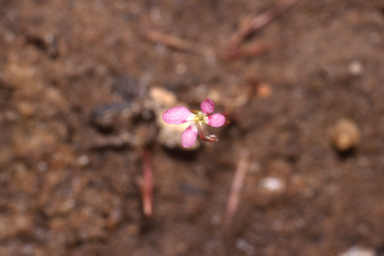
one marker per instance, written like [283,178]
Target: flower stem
[211,138]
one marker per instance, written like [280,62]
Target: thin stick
[147,187]
[253,50]
[170,41]
[237,185]
[259,22]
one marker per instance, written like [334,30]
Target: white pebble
[83,160]
[358,251]
[355,68]
[272,184]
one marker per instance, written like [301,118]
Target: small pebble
[358,251]
[264,90]
[272,184]
[345,135]
[355,68]
[83,160]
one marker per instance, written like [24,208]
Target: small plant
[180,115]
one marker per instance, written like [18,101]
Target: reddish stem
[147,187]
[212,138]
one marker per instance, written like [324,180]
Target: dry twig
[252,50]
[254,25]
[171,41]
[237,185]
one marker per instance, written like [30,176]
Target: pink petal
[177,115]
[216,120]
[207,106]
[188,138]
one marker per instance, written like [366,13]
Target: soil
[308,108]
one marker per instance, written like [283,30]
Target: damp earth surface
[82,86]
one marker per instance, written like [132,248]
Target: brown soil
[70,182]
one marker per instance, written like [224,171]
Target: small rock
[272,184]
[358,251]
[264,90]
[345,135]
[355,68]
[83,160]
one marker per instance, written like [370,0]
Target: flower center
[199,116]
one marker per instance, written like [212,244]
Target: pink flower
[180,115]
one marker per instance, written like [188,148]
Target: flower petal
[177,115]
[188,138]
[207,106]
[216,120]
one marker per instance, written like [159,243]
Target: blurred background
[87,167]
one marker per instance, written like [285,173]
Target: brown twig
[237,185]
[170,41]
[257,23]
[252,50]
[147,184]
